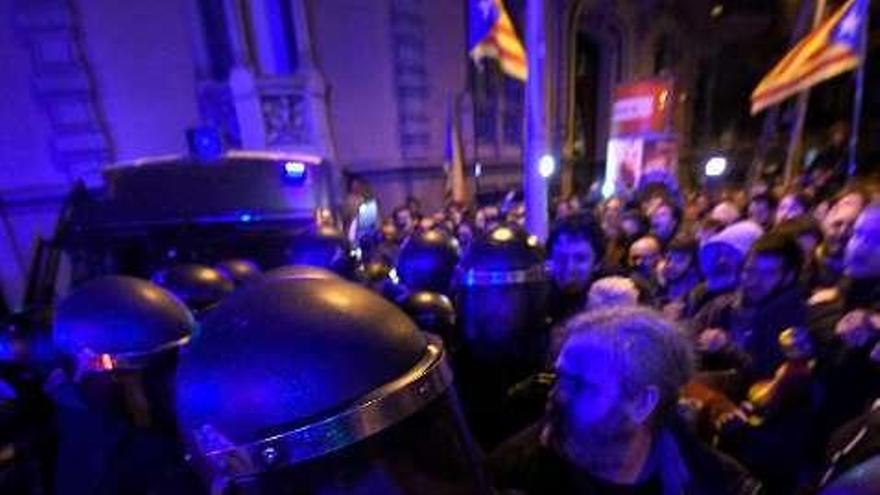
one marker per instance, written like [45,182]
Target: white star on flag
[850,24]
[486,7]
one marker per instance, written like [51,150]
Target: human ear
[644,404]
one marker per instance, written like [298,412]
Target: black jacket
[99,454]
[853,444]
[700,297]
[848,376]
[523,465]
[755,330]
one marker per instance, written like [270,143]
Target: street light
[716,166]
[546,166]
[607,190]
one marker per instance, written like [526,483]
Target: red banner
[642,108]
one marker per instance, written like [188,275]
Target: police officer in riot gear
[427,261]
[310,384]
[502,336]
[433,313]
[26,437]
[117,433]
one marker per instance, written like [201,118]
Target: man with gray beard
[612,425]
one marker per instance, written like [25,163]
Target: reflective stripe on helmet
[222,460]
[473,278]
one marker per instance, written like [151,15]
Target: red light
[106,362]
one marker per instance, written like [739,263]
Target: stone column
[313,82]
[242,80]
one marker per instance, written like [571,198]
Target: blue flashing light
[294,170]
[245,217]
[205,143]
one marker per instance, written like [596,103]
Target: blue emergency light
[294,171]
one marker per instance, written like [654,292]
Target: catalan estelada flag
[456,181]
[492,35]
[834,47]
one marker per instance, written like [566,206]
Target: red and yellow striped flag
[833,48]
[492,35]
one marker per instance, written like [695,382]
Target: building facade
[367,84]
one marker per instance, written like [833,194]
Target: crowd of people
[725,341]
[776,291]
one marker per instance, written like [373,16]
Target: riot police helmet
[239,270]
[427,261]
[199,286]
[322,385]
[119,322]
[323,246]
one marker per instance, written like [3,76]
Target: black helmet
[315,382]
[199,286]
[324,247]
[299,271]
[501,296]
[501,338]
[377,271]
[427,261]
[240,271]
[433,312]
[121,322]
[382,279]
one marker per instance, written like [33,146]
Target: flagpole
[857,98]
[769,131]
[458,176]
[800,110]
[538,138]
[474,73]
[471,76]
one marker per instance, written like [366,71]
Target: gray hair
[648,348]
[612,291]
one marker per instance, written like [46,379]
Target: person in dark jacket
[27,438]
[643,257]
[837,227]
[665,221]
[575,248]
[721,258]
[845,322]
[741,330]
[678,274]
[853,444]
[792,205]
[611,425]
[808,234]
[739,333]
[114,403]
[762,210]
